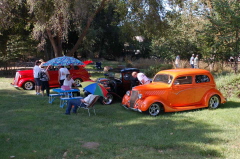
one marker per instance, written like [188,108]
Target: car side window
[75,67]
[183,80]
[202,78]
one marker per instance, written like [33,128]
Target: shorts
[37,81]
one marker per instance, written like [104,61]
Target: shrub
[152,70]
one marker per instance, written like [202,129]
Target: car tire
[108,100]
[214,102]
[28,85]
[78,82]
[155,109]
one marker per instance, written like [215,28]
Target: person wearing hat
[192,61]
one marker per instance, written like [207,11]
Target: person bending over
[143,79]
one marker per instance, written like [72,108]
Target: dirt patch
[91,145]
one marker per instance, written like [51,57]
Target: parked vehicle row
[170,90]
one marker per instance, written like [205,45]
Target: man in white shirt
[143,79]
[192,61]
[84,102]
[196,62]
[177,61]
[36,75]
[63,71]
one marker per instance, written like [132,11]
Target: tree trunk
[90,19]
[56,43]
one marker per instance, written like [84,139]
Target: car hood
[152,86]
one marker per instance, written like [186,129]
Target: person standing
[196,62]
[177,61]
[63,71]
[192,61]
[36,75]
[143,79]
[44,79]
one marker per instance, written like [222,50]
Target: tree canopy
[108,28]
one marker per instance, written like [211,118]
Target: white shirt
[191,60]
[196,61]
[177,60]
[142,76]
[63,72]
[36,71]
[68,82]
[89,99]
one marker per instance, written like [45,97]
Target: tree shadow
[124,132]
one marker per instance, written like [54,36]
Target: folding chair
[91,105]
[64,100]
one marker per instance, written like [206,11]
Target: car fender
[22,81]
[82,77]
[146,102]
[212,92]
[125,100]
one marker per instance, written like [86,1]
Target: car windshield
[114,75]
[164,78]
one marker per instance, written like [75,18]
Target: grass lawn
[32,128]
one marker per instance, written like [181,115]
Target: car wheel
[78,82]
[108,100]
[28,85]
[214,102]
[155,109]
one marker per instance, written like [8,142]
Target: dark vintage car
[118,81]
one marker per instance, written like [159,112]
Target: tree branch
[90,19]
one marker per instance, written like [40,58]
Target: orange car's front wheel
[155,109]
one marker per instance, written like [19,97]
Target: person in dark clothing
[134,81]
[44,77]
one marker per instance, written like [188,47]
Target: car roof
[177,72]
[117,70]
[130,69]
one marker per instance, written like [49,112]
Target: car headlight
[139,96]
[128,93]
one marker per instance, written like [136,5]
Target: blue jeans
[75,103]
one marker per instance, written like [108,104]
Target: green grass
[32,128]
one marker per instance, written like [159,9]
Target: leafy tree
[54,19]
[14,30]
[222,32]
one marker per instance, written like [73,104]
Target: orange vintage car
[175,90]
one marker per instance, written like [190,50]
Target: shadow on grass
[32,128]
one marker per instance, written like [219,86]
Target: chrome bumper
[134,109]
[15,86]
